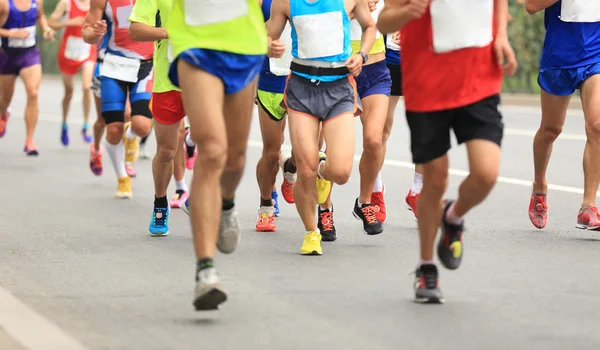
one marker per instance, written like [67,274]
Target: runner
[20,56]
[74,55]
[147,18]
[217,81]
[127,68]
[322,88]
[271,83]
[180,163]
[570,61]
[377,198]
[471,38]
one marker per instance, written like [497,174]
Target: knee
[387,131]
[592,130]
[435,179]
[342,175]
[68,94]
[236,158]
[372,145]
[212,155]
[306,170]
[87,90]
[550,133]
[485,177]
[32,95]
[270,156]
[165,153]
[114,131]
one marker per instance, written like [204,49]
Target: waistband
[318,71]
[295,78]
[374,67]
[17,51]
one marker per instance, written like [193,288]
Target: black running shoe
[427,289]
[450,246]
[366,214]
[325,224]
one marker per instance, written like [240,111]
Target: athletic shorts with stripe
[271,103]
[167,107]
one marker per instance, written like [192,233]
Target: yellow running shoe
[323,186]
[132,146]
[312,244]
[124,188]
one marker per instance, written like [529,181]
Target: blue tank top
[21,20]
[268,81]
[569,44]
[321,7]
[392,57]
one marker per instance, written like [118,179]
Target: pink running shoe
[3,122]
[179,199]
[190,153]
[130,170]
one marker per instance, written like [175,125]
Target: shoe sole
[586,227]
[369,234]
[159,234]
[265,230]
[313,253]
[210,300]
[124,196]
[426,300]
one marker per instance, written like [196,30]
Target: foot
[64,135]
[4,122]
[130,170]
[427,289]
[229,232]
[538,210]
[159,223]
[124,188]
[132,146]
[366,213]
[87,138]
[311,244]
[323,186]
[30,148]
[450,246]
[179,199]
[190,153]
[289,180]
[378,203]
[186,206]
[411,202]
[326,225]
[588,218]
[266,220]
[209,291]
[275,197]
[96,161]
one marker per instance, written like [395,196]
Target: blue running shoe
[64,135]
[159,224]
[87,138]
[186,206]
[275,197]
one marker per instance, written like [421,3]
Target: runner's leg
[66,106]
[32,77]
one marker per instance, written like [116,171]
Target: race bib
[320,35]
[120,68]
[281,66]
[123,13]
[76,49]
[204,12]
[390,41]
[458,24]
[580,11]
[29,41]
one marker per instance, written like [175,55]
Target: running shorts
[374,79]
[235,71]
[167,107]
[13,61]
[322,100]
[396,76]
[96,80]
[430,131]
[270,102]
[564,82]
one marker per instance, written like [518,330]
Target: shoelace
[288,185]
[160,221]
[369,214]
[540,204]
[327,220]
[430,279]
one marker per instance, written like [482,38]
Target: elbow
[531,9]
[133,34]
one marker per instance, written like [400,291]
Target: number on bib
[120,68]
[580,11]
[320,35]
[204,12]
[281,66]
[76,49]
[29,41]
[458,24]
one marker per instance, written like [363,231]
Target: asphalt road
[85,261]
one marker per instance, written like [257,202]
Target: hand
[49,34]
[373,5]
[414,9]
[505,55]
[19,34]
[99,28]
[354,64]
[396,38]
[276,49]
[77,21]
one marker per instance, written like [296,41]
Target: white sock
[319,169]
[452,217]
[188,140]
[180,185]
[417,184]
[378,187]
[117,157]
[426,262]
[130,134]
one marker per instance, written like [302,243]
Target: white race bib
[204,12]
[320,35]
[458,24]
[120,68]
[281,66]
[29,41]
[356,29]
[390,43]
[580,11]
[76,49]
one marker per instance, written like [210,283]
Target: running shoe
[64,135]
[124,188]
[30,148]
[311,244]
[229,232]
[186,206]
[96,160]
[191,153]
[366,213]
[538,210]
[427,290]
[130,170]
[3,122]
[450,246]
[209,291]
[275,197]
[143,152]
[410,201]
[179,199]
[323,186]
[132,146]
[326,225]
[378,203]
[87,138]
[266,220]
[588,218]
[159,223]
[289,180]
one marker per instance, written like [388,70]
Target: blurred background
[526,34]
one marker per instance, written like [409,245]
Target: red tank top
[72,46]
[433,81]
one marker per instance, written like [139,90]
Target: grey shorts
[322,100]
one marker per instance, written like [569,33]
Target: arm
[143,22]
[94,15]
[279,17]
[533,6]
[362,13]
[142,32]
[501,17]
[55,22]
[393,16]
[4,33]
[43,22]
